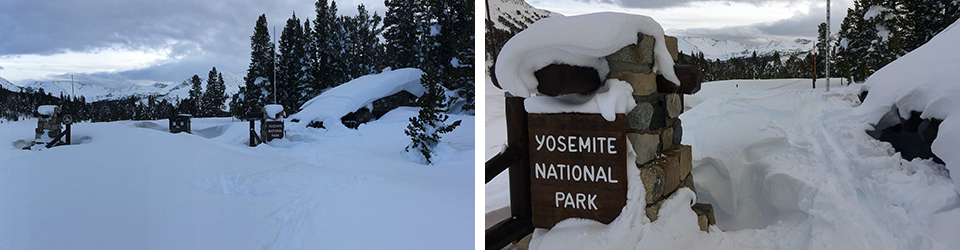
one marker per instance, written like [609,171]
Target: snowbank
[925,80]
[577,40]
[134,185]
[329,106]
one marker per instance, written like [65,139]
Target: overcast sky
[748,21]
[118,42]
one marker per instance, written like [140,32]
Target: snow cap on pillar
[577,40]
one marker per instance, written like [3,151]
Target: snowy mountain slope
[515,15]
[9,85]
[132,185]
[96,92]
[726,49]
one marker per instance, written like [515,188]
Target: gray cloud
[202,33]
[798,26]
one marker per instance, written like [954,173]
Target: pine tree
[329,43]
[309,86]
[214,96]
[193,103]
[401,33]
[425,129]
[261,71]
[366,50]
[448,43]
[290,68]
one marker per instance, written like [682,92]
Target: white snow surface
[925,80]
[133,185]
[575,40]
[272,110]
[47,109]
[614,97]
[332,104]
[789,167]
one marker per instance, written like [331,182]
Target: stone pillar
[653,126]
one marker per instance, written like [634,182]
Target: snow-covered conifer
[425,129]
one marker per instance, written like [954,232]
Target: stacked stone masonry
[653,128]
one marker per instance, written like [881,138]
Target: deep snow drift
[133,185]
[925,80]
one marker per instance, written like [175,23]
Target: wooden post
[253,117]
[519,224]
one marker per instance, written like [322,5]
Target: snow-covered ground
[790,167]
[133,185]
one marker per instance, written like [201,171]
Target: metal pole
[275,65]
[827,48]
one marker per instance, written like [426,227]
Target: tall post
[827,48]
[275,64]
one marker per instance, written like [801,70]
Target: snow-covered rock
[925,80]
[577,40]
[333,104]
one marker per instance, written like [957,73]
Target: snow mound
[925,80]
[333,104]
[273,110]
[577,40]
[47,109]
[612,98]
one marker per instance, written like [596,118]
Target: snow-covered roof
[925,80]
[358,93]
[576,40]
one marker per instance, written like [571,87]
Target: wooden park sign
[272,130]
[578,167]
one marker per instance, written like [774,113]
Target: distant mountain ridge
[93,92]
[726,49]
[515,15]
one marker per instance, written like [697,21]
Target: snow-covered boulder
[330,106]
[579,41]
[925,80]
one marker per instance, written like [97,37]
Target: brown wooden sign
[272,130]
[578,167]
